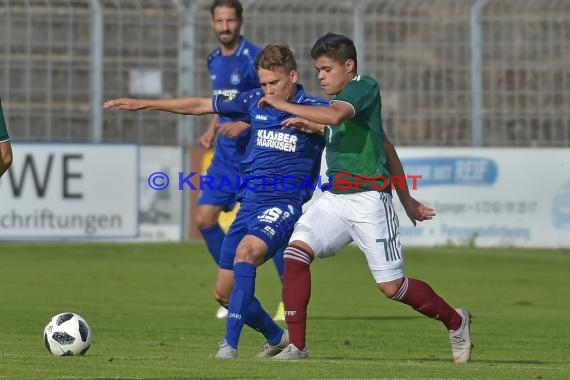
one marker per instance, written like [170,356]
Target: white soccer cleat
[270,351]
[280,313]
[460,339]
[292,353]
[226,351]
[222,313]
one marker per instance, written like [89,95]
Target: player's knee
[298,252]
[205,219]
[222,299]
[389,289]
[249,254]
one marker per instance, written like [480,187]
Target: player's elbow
[5,159]
[196,106]
[387,143]
[335,117]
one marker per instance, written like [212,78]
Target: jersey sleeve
[315,101]
[210,60]
[359,94]
[237,107]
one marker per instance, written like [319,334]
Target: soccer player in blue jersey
[232,71]
[5,146]
[279,168]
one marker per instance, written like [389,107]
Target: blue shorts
[218,187]
[272,223]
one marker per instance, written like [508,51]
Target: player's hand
[207,138]
[232,129]
[303,125]
[417,211]
[273,101]
[124,104]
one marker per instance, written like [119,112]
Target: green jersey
[3,131]
[355,150]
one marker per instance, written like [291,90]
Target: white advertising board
[161,211]
[490,197]
[70,191]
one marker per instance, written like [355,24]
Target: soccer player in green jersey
[5,147]
[358,206]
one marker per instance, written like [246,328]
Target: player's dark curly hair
[276,57]
[235,4]
[337,47]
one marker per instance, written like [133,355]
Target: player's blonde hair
[276,57]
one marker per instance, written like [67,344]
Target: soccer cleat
[270,351]
[226,351]
[461,339]
[280,313]
[222,313]
[292,353]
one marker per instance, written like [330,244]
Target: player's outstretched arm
[208,137]
[415,210]
[332,114]
[303,125]
[184,106]
[233,129]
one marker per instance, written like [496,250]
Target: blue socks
[244,307]
[259,320]
[240,298]
[214,237]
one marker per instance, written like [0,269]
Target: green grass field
[152,315]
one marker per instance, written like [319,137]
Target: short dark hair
[235,4]
[276,57]
[337,47]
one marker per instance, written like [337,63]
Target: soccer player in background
[357,148]
[232,71]
[280,170]
[5,146]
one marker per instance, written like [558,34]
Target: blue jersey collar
[238,51]
[240,46]
[299,95]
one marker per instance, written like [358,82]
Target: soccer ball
[67,334]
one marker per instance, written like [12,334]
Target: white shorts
[367,218]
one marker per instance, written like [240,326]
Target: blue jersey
[232,75]
[280,164]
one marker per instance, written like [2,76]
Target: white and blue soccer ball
[68,334]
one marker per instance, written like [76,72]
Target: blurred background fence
[452,72]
